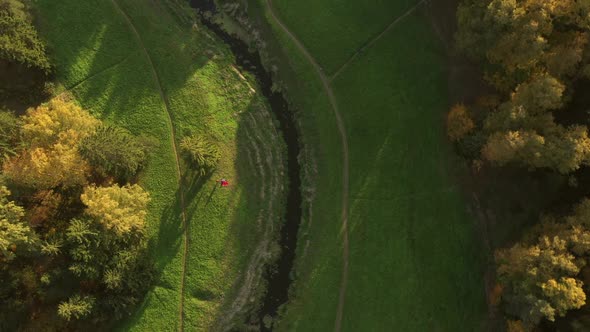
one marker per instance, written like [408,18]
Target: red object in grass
[224,183]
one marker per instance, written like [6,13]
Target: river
[278,274]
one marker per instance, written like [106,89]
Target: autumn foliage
[69,222]
[459,122]
[533,52]
[49,158]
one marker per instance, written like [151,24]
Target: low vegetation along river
[278,274]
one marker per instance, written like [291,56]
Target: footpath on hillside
[177,158]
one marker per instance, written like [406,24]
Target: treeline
[24,64]
[73,246]
[534,54]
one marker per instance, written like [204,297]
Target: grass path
[375,39]
[345,160]
[177,158]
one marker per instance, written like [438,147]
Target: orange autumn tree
[459,122]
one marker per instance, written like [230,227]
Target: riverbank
[414,258]
[277,274]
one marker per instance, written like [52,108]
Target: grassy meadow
[101,62]
[333,30]
[415,264]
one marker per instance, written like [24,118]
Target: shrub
[201,154]
[113,151]
[459,122]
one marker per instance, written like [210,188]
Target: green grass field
[102,64]
[332,30]
[415,264]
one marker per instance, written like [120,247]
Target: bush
[76,307]
[470,146]
[201,154]
[459,122]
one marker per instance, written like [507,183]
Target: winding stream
[278,274]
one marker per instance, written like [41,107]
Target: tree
[114,151]
[541,93]
[201,154]
[58,122]
[539,280]
[459,122]
[9,128]
[15,234]
[19,41]
[118,209]
[44,207]
[533,51]
[76,307]
[561,149]
[540,275]
[50,159]
[523,36]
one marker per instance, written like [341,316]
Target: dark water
[278,275]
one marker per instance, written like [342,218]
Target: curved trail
[176,155]
[345,169]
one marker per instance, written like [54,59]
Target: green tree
[15,234]
[19,41]
[114,151]
[9,129]
[201,154]
[76,307]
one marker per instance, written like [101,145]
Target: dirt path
[345,158]
[176,155]
[375,39]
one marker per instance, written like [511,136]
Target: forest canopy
[72,240]
[534,55]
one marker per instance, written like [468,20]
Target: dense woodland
[73,247]
[536,57]
[74,250]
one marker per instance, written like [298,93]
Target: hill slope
[142,65]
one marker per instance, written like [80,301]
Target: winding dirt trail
[156,78]
[345,159]
[326,82]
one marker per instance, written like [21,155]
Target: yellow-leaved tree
[119,209]
[51,134]
[540,277]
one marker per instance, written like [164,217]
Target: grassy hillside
[108,69]
[414,260]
